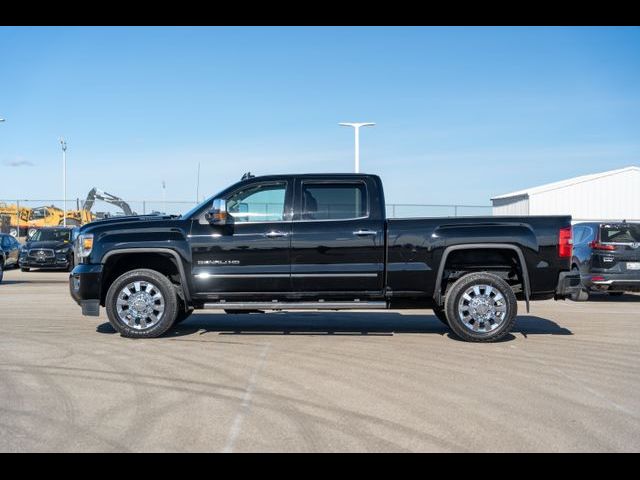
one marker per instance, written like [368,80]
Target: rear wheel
[142,304]
[616,294]
[481,307]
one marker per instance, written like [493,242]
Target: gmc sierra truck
[318,242]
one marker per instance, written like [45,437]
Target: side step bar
[295,306]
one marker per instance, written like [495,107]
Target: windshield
[51,235]
[620,233]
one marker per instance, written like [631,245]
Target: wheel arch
[159,259]
[437,294]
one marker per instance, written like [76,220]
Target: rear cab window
[334,200]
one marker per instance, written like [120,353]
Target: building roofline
[527,192]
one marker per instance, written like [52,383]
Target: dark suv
[9,251]
[607,256]
[50,248]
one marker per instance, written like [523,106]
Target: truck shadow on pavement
[372,324]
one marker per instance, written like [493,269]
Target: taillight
[565,243]
[601,246]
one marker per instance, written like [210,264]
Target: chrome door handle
[275,234]
[361,233]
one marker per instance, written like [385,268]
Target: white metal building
[612,195]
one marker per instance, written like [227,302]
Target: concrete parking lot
[568,379]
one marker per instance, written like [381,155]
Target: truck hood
[126,222]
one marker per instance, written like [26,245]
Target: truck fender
[523,266]
[173,253]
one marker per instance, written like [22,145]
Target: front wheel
[141,304]
[24,269]
[481,307]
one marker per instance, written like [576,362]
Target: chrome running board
[275,305]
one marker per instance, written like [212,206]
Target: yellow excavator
[25,221]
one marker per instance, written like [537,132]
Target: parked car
[49,248]
[607,256]
[9,252]
[319,242]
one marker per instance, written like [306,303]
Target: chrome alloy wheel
[140,305]
[482,308]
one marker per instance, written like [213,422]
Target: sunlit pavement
[567,379]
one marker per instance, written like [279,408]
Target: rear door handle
[362,233]
[275,234]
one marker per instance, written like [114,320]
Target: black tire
[24,269]
[441,315]
[616,294]
[458,290]
[72,264]
[1,271]
[163,286]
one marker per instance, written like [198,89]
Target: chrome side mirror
[218,215]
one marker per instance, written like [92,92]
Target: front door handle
[275,234]
[361,233]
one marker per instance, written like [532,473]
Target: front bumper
[84,285]
[620,282]
[569,284]
[51,263]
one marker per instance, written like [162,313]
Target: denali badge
[218,262]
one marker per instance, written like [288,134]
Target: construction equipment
[97,194]
[16,217]
[25,221]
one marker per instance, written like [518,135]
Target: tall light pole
[356,128]
[164,197]
[63,144]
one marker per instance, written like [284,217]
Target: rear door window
[334,201]
[620,233]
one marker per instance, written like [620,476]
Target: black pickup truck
[318,242]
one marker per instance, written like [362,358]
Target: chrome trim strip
[280,275]
[611,282]
[240,275]
[303,275]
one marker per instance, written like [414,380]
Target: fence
[145,207]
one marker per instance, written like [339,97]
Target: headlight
[63,250]
[85,244]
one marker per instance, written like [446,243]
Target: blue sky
[462,113]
